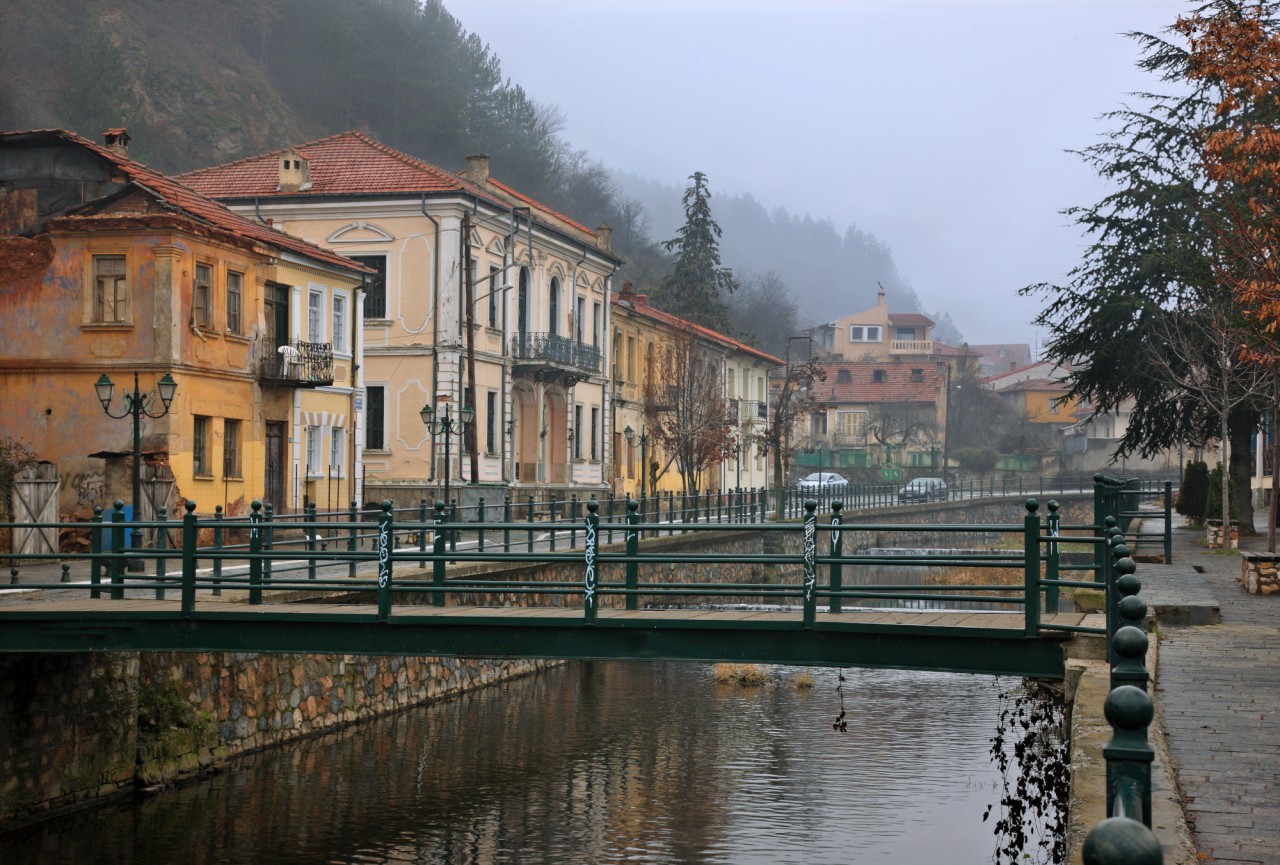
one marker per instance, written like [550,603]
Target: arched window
[554,327]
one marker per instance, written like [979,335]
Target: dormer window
[864,333]
[844,377]
[877,376]
[917,375]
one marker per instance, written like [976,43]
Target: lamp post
[630,435]
[737,461]
[137,404]
[443,422]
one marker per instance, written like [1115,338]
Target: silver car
[826,481]
[923,490]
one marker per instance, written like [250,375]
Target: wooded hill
[199,83]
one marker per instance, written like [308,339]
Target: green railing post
[633,547]
[95,553]
[609,517]
[438,564]
[1130,639]
[422,532]
[506,518]
[1031,566]
[837,551]
[453,521]
[161,544]
[268,541]
[1052,566]
[590,599]
[255,552]
[1168,522]
[529,517]
[573,521]
[353,537]
[386,544]
[117,550]
[810,568]
[671,512]
[552,518]
[217,550]
[190,533]
[480,523]
[310,516]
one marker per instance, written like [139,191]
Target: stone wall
[1258,573]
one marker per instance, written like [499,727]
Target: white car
[828,481]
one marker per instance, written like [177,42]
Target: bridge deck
[963,641]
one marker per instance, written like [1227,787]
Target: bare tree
[686,409]
[898,424]
[1200,350]
[792,400]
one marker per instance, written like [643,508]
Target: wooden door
[274,492]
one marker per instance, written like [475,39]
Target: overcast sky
[940,126]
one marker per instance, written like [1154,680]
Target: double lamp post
[441,422]
[136,405]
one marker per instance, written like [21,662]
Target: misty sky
[940,126]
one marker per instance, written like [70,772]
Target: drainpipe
[435,320]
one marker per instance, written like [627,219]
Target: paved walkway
[1218,688]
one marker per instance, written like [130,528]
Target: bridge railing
[1011,567]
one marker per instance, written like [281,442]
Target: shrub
[1213,496]
[1193,490]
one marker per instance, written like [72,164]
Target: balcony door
[276,311]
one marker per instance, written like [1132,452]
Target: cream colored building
[539,316]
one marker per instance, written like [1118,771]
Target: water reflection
[594,763]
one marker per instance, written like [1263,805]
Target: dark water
[594,763]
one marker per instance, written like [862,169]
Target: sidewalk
[1218,697]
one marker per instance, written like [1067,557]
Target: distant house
[113,269]
[998,358]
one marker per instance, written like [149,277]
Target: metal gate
[35,500]
[157,492]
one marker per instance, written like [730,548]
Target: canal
[593,763]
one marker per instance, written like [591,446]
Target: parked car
[826,481]
[923,490]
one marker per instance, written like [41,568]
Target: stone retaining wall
[1258,573]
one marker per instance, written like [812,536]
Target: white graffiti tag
[810,553]
[590,591]
[384,557]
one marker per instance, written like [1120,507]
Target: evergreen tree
[1193,491]
[694,290]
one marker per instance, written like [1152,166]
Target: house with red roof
[485,304]
[640,339]
[113,271]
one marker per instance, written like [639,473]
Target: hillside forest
[205,83]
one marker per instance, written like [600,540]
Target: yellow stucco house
[113,270]
[483,298]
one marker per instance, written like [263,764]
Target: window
[235,296]
[493,295]
[917,375]
[864,333]
[819,424]
[554,324]
[491,422]
[1053,406]
[877,376]
[231,448]
[200,447]
[850,423]
[313,451]
[201,311]
[844,376]
[375,285]
[578,319]
[375,420]
[110,289]
[595,323]
[314,316]
[595,436]
[339,323]
[337,451]
[631,352]
[577,432]
[905,333]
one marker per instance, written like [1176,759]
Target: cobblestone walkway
[1219,691]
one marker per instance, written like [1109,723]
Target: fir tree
[696,287]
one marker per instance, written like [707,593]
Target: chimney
[880,301]
[604,237]
[117,141]
[295,172]
[478,168]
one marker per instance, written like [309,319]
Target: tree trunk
[1242,424]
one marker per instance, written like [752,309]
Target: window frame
[577,431]
[202,312]
[866,333]
[491,422]
[337,452]
[380,427]
[123,290]
[231,467]
[338,323]
[200,467]
[234,302]
[315,306]
[595,433]
[311,444]
[375,285]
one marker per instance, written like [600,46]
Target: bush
[978,461]
[1213,496]
[1193,490]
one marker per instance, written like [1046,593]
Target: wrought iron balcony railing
[549,349]
[298,364]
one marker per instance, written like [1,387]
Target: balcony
[550,357]
[297,364]
[753,411]
[911,346]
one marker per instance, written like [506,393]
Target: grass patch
[744,675]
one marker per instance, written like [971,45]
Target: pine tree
[696,287]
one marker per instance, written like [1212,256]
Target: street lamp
[737,461]
[137,404]
[449,426]
[630,435]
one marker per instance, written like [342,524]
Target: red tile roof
[187,200]
[910,319]
[638,304]
[863,388]
[1035,384]
[354,163]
